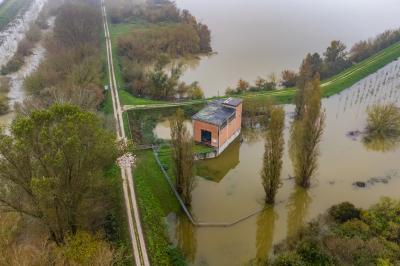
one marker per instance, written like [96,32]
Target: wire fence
[187,211]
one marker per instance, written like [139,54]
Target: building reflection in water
[216,169]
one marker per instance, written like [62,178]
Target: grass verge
[155,201]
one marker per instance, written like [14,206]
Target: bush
[312,253]
[344,212]
[353,228]
[288,259]
[383,120]
[384,219]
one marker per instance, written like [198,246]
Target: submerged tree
[182,154]
[51,169]
[383,128]
[383,120]
[274,146]
[306,135]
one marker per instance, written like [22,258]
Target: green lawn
[156,201]
[9,9]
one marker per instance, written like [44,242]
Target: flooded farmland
[255,38]
[230,186]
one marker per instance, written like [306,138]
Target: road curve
[134,222]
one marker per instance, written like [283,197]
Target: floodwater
[9,40]
[231,186]
[257,37]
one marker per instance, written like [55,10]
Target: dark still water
[257,37]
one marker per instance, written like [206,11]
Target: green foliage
[312,253]
[183,156]
[60,151]
[383,121]
[352,229]
[289,259]
[344,212]
[384,220]
[274,147]
[370,239]
[82,248]
[306,133]
[155,201]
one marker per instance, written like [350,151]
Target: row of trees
[72,69]
[334,60]
[337,58]
[306,133]
[261,84]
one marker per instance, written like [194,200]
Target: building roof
[232,102]
[215,113]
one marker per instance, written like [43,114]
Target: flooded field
[254,37]
[230,186]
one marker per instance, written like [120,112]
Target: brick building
[218,124]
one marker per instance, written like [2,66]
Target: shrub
[384,219]
[288,259]
[353,228]
[344,212]
[383,120]
[312,253]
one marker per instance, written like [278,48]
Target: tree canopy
[51,169]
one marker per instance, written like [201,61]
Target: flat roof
[215,114]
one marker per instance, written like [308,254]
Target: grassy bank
[156,201]
[10,9]
[330,87]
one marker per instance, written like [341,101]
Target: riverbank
[10,9]
[9,39]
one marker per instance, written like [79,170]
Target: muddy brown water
[256,37]
[231,186]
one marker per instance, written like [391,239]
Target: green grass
[155,201]
[118,219]
[9,9]
[341,81]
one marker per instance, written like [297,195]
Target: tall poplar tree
[274,147]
